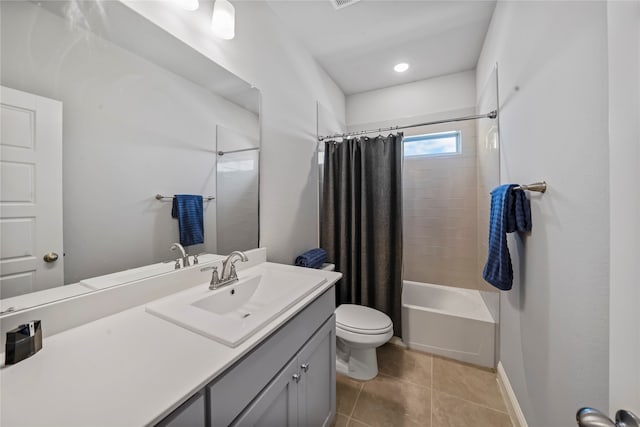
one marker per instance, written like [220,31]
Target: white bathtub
[451,322]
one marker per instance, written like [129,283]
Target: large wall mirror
[141,113]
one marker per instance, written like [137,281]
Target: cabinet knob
[304,367]
[296,377]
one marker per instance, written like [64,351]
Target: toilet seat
[364,331]
[358,319]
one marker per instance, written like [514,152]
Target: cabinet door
[317,386]
[189,414]
[277,404]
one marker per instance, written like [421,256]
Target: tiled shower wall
[440,219]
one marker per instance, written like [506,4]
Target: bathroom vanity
[136,368]
[288,380]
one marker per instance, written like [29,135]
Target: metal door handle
[296,377]
[590,417]
[50,257]
[304,367]
[626,418]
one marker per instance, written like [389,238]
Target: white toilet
[359,331]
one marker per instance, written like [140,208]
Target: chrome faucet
[231,275]
[185,256]
[228,274]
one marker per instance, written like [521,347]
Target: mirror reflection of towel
[510,211]
[187,208]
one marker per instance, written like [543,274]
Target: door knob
[589,417]
[50,257]
[626,418]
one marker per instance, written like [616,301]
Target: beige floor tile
[387,401]
[450,411]
[346,393]
[356,423]
[405,364]
[340,421]
[467,382]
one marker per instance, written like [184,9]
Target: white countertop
[130,368]
[33,299]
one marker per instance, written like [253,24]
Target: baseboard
[510,398]
[397,341]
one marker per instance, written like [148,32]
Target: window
[432,144]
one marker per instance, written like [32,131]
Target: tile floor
[418,389]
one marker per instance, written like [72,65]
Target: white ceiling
[359,44]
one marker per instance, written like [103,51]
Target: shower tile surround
[417,389]
[439,210]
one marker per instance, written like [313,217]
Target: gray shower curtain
[361,221]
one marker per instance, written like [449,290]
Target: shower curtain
[361,221]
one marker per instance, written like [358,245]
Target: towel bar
[161,197]
[540,187]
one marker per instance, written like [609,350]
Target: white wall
[624,166]
[421,98]
[130,130]
[554,322]
[266,55]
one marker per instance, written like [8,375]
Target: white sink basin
[233,313]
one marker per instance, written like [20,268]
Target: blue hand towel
[510,211]
[188,209]
[312,259]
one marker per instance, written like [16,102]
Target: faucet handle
[195,259]
[176,266]
[215,280]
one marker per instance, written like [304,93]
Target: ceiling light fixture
[189,5]
[223,21]
[401,67]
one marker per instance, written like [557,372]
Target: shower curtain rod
[491,115]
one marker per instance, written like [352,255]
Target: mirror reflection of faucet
[229,274]
[183,253]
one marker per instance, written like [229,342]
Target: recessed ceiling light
[401,67]
[190,5]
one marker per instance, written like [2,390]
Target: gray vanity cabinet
[317,385]
[189,414]
[287,380]
[277,404]
[303,393]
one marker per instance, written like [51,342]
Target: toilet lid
[361,319]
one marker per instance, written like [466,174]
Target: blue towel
[510,211]
[188,209]
[312,259]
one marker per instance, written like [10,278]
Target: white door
[30,193]
[624,148]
